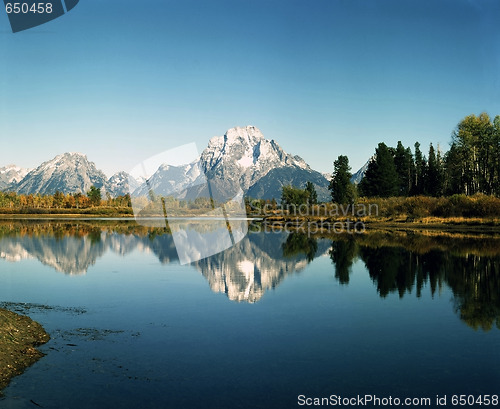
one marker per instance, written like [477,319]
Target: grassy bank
[457,210]
[19,335]
[459,207]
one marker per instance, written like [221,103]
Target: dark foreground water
[272,318]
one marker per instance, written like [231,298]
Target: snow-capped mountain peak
[11,175]
[247,147]
[238,159]
[121,183]
[67,173]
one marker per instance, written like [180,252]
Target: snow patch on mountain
[11,175]
[120,184]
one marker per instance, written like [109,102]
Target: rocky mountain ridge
[11,175]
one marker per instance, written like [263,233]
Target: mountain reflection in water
[401,263]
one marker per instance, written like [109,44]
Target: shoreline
[286,221]
[19,337]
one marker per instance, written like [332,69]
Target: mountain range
[240,159]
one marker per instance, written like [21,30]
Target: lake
[276,316]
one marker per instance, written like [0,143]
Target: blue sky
[124,80]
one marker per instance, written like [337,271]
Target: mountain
[169,180]
[67,173]
[245,156]
[270,185]
[120,184]
[10,176]
[242,158]
[360,174]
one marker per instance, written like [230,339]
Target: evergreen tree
[367,186]
[381,178]
[440,170]
[313,196]
[419,185]
[341,188]
[403,160]
[433,179]
[412,171]
[452,171]
[388,177]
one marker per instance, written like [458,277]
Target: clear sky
[124,80]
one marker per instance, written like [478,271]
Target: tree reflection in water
[407,263]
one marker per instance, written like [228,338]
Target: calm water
[272,318]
